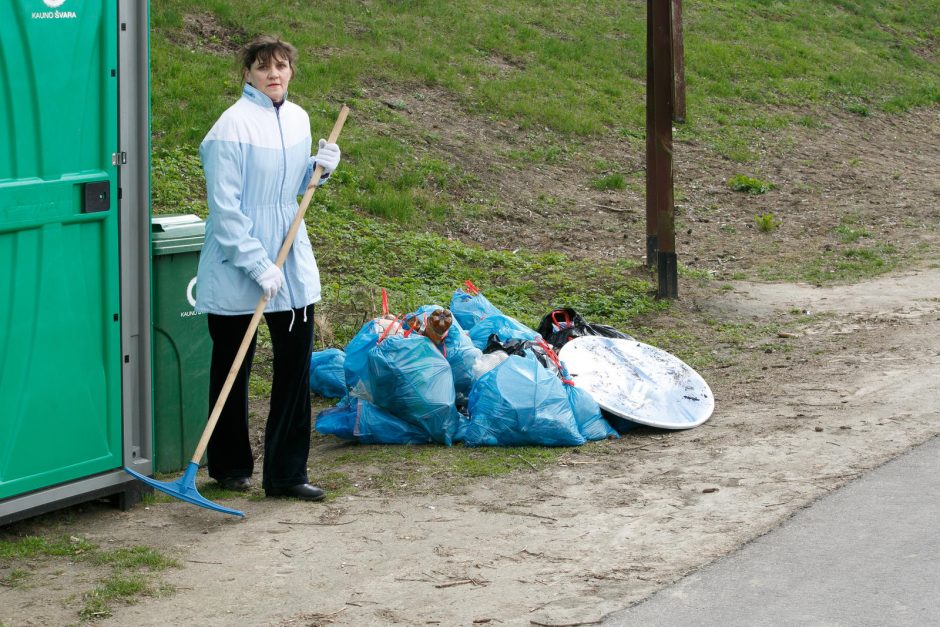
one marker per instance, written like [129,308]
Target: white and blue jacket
[257,161]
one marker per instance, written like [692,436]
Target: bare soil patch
[880,172]
[204,31]
[843,382]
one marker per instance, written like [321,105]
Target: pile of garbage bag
[463,373]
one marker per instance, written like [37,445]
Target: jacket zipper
[280,130]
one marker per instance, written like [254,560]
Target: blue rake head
[184,489]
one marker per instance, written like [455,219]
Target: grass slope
[576,69]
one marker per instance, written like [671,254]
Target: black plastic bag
[562,325]
[527,348]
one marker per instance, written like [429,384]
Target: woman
[257,161]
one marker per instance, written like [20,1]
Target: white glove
[271,281]
[327,156]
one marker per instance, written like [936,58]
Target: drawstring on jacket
[293,314]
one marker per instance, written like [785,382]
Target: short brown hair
[264,48]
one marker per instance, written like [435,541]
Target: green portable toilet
[74,252]
[182,350]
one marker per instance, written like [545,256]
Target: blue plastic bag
[587,414]
[506,327]
[411,379]
[357,350]
[358,419]
[374,425]
[459,351]
[468,308]
[327,376]
[520,403]
[461,355]
[339,420]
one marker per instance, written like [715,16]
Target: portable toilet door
[63,433]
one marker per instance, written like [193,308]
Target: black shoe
[303,491]
[238,484]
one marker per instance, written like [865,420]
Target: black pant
[287,431]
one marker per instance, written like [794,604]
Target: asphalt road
[867,554]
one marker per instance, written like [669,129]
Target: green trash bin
[182,349]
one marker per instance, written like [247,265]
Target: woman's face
[270,77]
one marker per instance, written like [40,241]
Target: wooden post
[661,157]
[678,56]
[651,216]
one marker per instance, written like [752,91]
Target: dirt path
[589,536]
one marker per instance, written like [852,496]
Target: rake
[184,488]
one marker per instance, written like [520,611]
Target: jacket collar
[258,97]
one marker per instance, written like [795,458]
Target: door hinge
[119,158]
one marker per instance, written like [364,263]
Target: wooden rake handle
[259,310]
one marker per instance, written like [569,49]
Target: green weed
[539,154]
[129,573]
[610,181]
[809,121]
[134,557]
[124,588]
[849,235]
[418,468]
[851,264]
[259,385]
[31,547]
[550,201]
[858,109]
[766,222]
[749,184]
[15,578]
[156,496]
[694,273]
